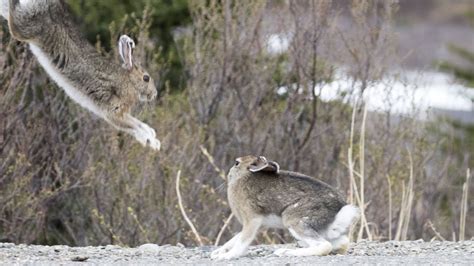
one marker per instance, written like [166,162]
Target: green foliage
[463,142]
[464,74]
[460,142]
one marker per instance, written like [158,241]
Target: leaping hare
[98,84]
[260,194]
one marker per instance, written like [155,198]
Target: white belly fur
[273,221]
[64,83]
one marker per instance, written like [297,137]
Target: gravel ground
[365,252]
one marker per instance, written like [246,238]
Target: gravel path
[365,252]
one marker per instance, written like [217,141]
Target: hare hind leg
[31,9]
[340,245]
[314,244]
[26,18]
[4,9]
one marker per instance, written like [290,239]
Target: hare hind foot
[321,249]
[340,245]
[314,245]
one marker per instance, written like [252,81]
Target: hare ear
[125,47]
[262,164]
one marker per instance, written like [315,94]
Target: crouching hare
[260,194]
[98,84]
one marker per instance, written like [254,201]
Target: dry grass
[359,194]
[406,206]
[464,206]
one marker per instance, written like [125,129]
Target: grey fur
[113,88]
[260,194]
[289,195]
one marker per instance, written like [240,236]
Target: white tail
[344,219]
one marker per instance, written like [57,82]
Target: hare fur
[104,87]
[260,194]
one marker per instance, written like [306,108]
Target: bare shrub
[66,177]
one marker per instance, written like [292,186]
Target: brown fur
[113,88]
[287,194]
[260,194]
[51,28]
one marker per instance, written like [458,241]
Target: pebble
[149,248]
[79,258]
[363,252]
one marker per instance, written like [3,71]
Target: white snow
[277,43]
[405,94]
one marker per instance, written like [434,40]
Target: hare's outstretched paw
[149,130]
[154,144]
[147,139]
[142,132]
[152,141]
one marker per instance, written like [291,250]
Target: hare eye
[236,163]
[146,78]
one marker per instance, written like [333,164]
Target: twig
[406,205]
[226,223]
[464,207]
[352,172]
[183,212]
[362,177]
[349,156]
[409,202]
[401,215]
[389,208]
[437,234]
[211,161]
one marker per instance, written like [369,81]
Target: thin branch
[226,223]
[437,234]
[389,208]
[464,206]
[183,212]
[212,162]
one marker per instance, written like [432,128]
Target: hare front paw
[218,251]
[227,255]
[149,130]
[154,144]
[146,138]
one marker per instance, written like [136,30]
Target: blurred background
[371,96]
